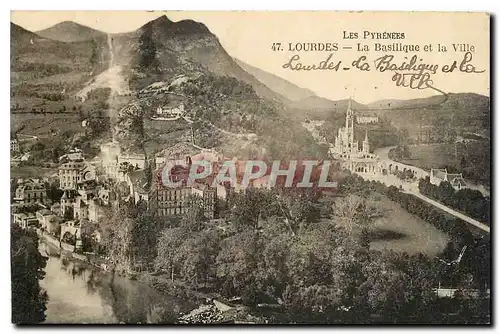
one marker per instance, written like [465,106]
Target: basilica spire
[366,144]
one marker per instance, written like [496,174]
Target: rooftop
[72,165]
[45,212]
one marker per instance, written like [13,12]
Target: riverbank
[207,308]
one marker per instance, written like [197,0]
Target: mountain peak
[161,21]
[185,27]
[70,31]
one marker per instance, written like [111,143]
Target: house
[109,157]
[14,146]
[439,175]
[72,229]
[68,199]
[80,209]
[171,110]
[25,220]
[209,196]
[160,160]
[74,172]
[173,201]
[75,154]
[31,191]
[48,220]
[70,174]
[53,224]
[366,119]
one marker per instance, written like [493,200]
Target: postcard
[250,167]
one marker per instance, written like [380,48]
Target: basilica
[346,148]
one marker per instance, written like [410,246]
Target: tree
[397,284]
[169,243]
[238,263]
[446,193]
[303,210]
[144,237]
[193,220]
[349,211]
[197,255]
[247,209]
[27,269]
[117,237]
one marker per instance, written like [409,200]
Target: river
[80,293]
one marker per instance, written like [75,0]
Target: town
[158,178]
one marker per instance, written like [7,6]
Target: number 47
[276,47]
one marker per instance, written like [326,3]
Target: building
[346,149]
[439,175]
[366,119]
[68,199]
[209,196]
[173,201]
[72,230]
[171,110]
[14,146]
[48,220]
[25,220]
[116,164]
[73,172]
[31,191]
[109,158]
[73,155]
[137,160]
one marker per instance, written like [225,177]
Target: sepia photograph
[250,167]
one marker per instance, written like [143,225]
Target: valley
[100,120]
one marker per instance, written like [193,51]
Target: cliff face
[163,49]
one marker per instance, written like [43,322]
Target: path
[412,187]
[452,212]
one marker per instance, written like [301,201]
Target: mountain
[320,103]
[277,84]
[19,35]
[69,31]
[438,117]
[163,48]
[452,100]
[30,52]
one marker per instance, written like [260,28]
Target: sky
[249,36]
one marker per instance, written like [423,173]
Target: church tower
[366,143]
[349,125]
